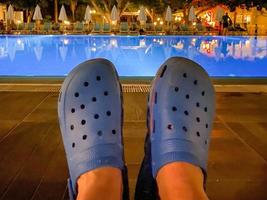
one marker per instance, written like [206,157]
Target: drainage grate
[127,88]
[135,88]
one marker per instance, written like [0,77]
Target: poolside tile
[237,159]
[16,105]
[6,126]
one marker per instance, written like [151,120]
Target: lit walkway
[33,166]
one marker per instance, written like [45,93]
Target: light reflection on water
[132,55]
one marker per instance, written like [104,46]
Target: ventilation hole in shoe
[156,97]
[98,78]
[73,145]
[71,127]
[99,133]
[197,104]
[198,119]
[170,126]
[198,134]
[174,108]
[207,126]
[82,106]
[184,75]
[94,99]
[187,96]
[73,110]
[106,93]
[85,84]
[176,89]
[186,112]
[113,131]
[195,82]
[83,122]
[163,71]
[203,93]
[96,116]
[84,137]
[206,109]
[108,113]
[184,129]
[206,142]
[154,124]
[76,94]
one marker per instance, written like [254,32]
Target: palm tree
[73,5]
[56,10]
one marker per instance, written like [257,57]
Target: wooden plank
[54,180]
[36,166]
[237,162]
[249,136]
[237,190]
[46,112]
[16,105]
[6,126]
[241,100]
[231,158]
[17,148]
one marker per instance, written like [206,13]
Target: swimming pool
[134,56]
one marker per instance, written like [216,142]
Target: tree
[73,5]
[105,6]
[56,10]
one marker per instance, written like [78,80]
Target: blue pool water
[46,55]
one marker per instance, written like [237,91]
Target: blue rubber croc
[182,108]
[91,116]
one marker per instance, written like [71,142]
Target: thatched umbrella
[168,16]
[114,16]
[37,16]
[62,14]
[87,16]
[10,15]
[142,16]
[192,15]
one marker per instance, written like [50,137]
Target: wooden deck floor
[33,166]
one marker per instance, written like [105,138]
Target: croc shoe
[181,109]
[91,116]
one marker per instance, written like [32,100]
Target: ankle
[100,183]
[180,180]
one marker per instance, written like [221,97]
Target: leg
[181,181]
[103,183]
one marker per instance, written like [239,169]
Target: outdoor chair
[150,28]
[55,28]
[159,29]
[106,28]
[168,29]
[124,28]
[29,28]
[46,28]
[19,29]
[134,29]
[66,28]
[185,30]
[96,28]
[200,29]
[78,27]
